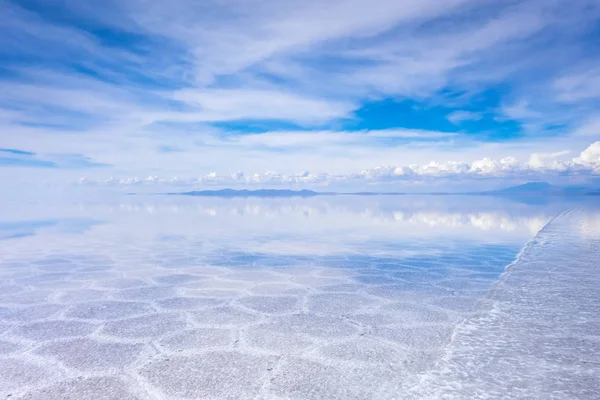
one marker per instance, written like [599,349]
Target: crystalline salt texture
[7,289]
[147,326]
[51,330]
[8,347]
[270,304]
[87,354]
[339,303]
[188,303]
[178,278]
[97,388]
[365,349]
[349,288]
[537,335]
[278,288]
[414,313]
[224,316]
[76,296]
[107,310]
[310,380]
[52,277]
[312,325]
[146,293]
[219,375]
[123,283]
[191,315]
[15,374]
[29,313]
[197,339]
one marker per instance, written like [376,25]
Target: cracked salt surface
[537,334]
[271,301]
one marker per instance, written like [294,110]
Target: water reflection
[456,216]
[29,228]
[352,292]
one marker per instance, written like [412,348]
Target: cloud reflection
[337,218]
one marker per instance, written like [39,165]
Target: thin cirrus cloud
[189,88]
[22,158]
[457,117]
[582,85]
[236,104]
[315,139]
[590,128]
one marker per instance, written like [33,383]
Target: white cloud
[229,39]
[235,104]
[315,139]
[309,63]
[540,160]
[457,117]
[487,166]
[520,110]
[435,168]
[590,157]
[538,167]
[578,86]
[591,127]
[244,40]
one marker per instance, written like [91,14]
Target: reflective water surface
[168,297]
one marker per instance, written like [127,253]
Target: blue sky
[343,93]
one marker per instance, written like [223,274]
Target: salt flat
[299,299]
[537,334]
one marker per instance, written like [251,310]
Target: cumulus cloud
[539,165]
[590,157]
[189,82]
[540,160]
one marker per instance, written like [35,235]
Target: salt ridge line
[481,306]
[558,334]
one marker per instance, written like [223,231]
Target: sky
[339,94]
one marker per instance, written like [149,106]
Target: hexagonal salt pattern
[16,374]
[51,330]
[219,375]
[88,354]
[171,318]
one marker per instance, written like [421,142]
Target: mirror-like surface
[324,298]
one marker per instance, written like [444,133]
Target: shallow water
[160,297]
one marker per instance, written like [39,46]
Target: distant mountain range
[545,189]
[527,189]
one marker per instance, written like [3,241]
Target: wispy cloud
[318,139]
[148,86]
[590,127]
[261,104]
[23,158]
[459,116]
[580,86]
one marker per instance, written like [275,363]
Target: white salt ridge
[537,335]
